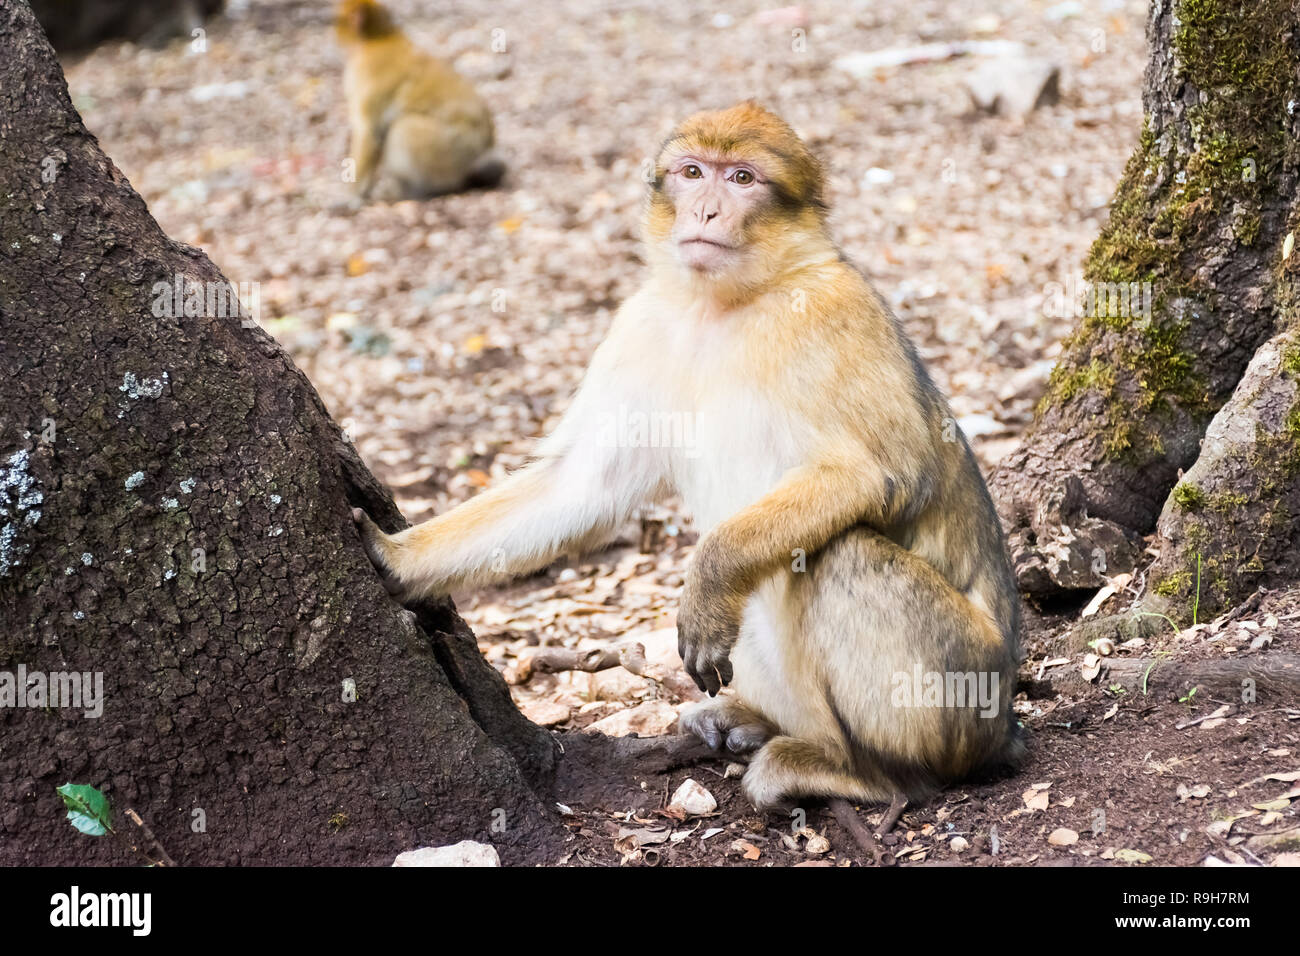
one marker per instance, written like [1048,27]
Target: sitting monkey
[419,129]
[851,582]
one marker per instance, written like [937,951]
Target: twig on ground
[150,839]
[848,818]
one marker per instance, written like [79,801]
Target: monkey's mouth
[706,242]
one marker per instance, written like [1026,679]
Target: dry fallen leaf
[1289,777]
[1091,667]
[1063,836]
[1036,799]
[1132,856]
[1272,804]
[1197,792]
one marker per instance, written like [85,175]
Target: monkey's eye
[743,176]
[692,172]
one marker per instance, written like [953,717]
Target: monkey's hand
[379,548]
[708,624]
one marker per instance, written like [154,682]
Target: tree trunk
[1186,282]
[175,515]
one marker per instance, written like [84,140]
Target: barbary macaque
[419,129]
[849,552]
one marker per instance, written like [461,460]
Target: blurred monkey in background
[419,129]
[851,583]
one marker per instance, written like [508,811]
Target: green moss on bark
[1188,496]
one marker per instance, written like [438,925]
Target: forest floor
[446,336]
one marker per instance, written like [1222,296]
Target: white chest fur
[743,445]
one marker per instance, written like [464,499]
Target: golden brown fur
[418,128]
[849,548]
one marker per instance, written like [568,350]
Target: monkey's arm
[366,147]
[583,485]
[810,505]
[516,527]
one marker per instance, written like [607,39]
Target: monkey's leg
[871,637]
[429,156]
[787,767]
[726,721]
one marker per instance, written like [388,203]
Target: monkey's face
[733,192]
[714,198]
[358,20]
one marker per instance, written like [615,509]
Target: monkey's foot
[726,721]
[792,767]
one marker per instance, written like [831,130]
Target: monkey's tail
[487,171]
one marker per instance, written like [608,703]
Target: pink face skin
[713,198]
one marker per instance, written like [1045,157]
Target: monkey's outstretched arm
[552,506]
[799,516]
[584,483]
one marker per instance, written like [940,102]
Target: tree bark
[175,515]
[1229,526]
[1187,282]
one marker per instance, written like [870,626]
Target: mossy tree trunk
[1189,278]
[175,516]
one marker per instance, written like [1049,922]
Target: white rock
[692,799]
[464,853]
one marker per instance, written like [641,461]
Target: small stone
[464,853]
[692,799]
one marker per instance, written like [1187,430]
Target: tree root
[1275,675]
